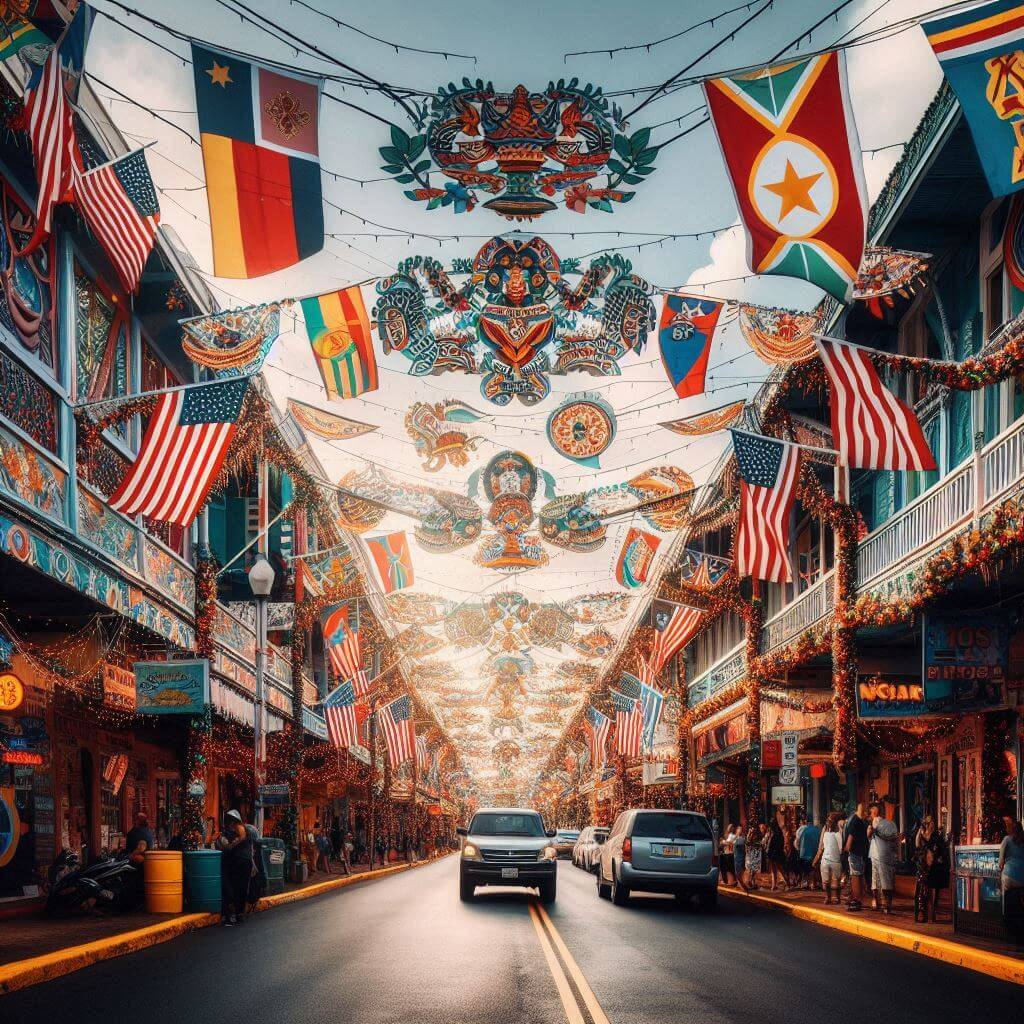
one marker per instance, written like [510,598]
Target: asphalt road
[404,949]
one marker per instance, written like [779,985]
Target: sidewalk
[935,939]
[37,948]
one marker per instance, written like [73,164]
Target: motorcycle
[111,883]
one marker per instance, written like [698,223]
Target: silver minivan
[659,851]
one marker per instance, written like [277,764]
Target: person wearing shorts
[829,857]
[856,846]
[884,838]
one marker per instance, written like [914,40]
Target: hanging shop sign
[25,735]
[118,687]
[172,687]
[12,693]
[771,754]
[722,735]
[786,795]
[275,795]
[890,697]
[965,662]
[790,744]
[115,769]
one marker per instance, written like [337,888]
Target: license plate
[671,851]
[510,872]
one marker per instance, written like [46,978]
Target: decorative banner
[172,687]
[780,336]
[636,557]
[887,273]
[722,418]
[327,424]
[115,769]
[118,687]
[722,735]
[339,332]
[980,50]
[393,561]
[582,428]
[521,148]
[686,326]
[17,32]
[427,424]
[12,693]
[790,146]
[234,342]
[260,138]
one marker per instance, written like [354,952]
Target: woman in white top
[829,856]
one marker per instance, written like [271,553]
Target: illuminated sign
[172,687]
[890,697]
[20,757]
[965,661]
[12,693]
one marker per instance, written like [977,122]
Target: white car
[588,847]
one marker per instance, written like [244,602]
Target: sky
[891,82]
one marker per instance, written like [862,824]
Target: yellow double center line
[578,1000]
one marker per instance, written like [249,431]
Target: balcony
[889,553]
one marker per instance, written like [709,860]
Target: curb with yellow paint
[23,973]
[996,965]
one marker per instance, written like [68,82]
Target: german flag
[260,138]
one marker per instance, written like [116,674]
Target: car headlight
[548,853]
[470,852]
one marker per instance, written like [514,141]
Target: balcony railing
[813,605]
[720,675]
[1002,464]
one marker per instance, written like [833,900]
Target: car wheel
[467,890]
[548,891]
[708,900]
[620,892]
[602,889]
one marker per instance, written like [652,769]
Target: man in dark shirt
[140,839]
[856,846]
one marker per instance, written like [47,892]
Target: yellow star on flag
[794,191]
[219,75]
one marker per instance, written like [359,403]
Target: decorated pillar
[300,634]
[844,652]
[683,732]
[753,620]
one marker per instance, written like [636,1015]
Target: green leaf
[417,146]
[393,168]
[399,138]
[626,196]
[645,156]
[410,194]
[616,167]
[629,179]
[621,146]
[404,179]
[434,203]
[601,204]
[423,165]
[639,139]
[392,155]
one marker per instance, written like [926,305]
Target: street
[404,949]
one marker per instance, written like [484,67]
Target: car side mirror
[462,831]
[551,833]
[599,839]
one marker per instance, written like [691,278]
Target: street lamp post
[261,582]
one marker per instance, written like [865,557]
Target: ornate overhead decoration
[523,149]
[888,274]
[582,428]
[513,313]
[430,425]
[782,336]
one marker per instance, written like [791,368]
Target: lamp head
[261,577]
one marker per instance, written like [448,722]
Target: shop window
[28,403]
[995,289]
[102,343]
[26,283]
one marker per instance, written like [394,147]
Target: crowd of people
[852,855]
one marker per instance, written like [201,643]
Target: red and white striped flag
[347,661]
[120,206]
[399,730]
[629,724]
[871,427]
[422,753]
[343,716]
[769,474]
[49,121]
[184,447]
[680,627]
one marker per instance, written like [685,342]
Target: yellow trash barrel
[162,873]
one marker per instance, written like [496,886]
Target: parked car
[508,846]
[588,846]
[659,851]
[565,840]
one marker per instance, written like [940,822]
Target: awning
[724,734]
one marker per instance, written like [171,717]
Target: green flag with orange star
[790,145]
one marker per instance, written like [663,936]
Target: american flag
[871,427]
[341,637]
[399,730]
[629,724]
[343,716]
[184,447]
[597,727]
[422,753]
[50,123]
[120,206]
[676,634]
[769,473]
[652,700]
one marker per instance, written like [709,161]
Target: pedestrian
[236,846]
[347,852]
[754,853]
[138,841]
[808,839]
[739,856]
[1011,856]
[932,869]
[829,857]
[322,842]
[844,859]
[884,839]
[776,850]
[856,846]
[725,859]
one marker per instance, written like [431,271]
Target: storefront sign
[890,697]
[965,661]
[276,795]
[722,735]
[118,687]
[786,795]
[172,687]
[21,757]
[771,753]
[12,693]
[790,743]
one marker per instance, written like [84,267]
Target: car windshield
[564,833]
[507,825]
[670,826]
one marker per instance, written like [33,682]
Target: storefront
[719,763]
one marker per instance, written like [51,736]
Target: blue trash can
[202,880]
